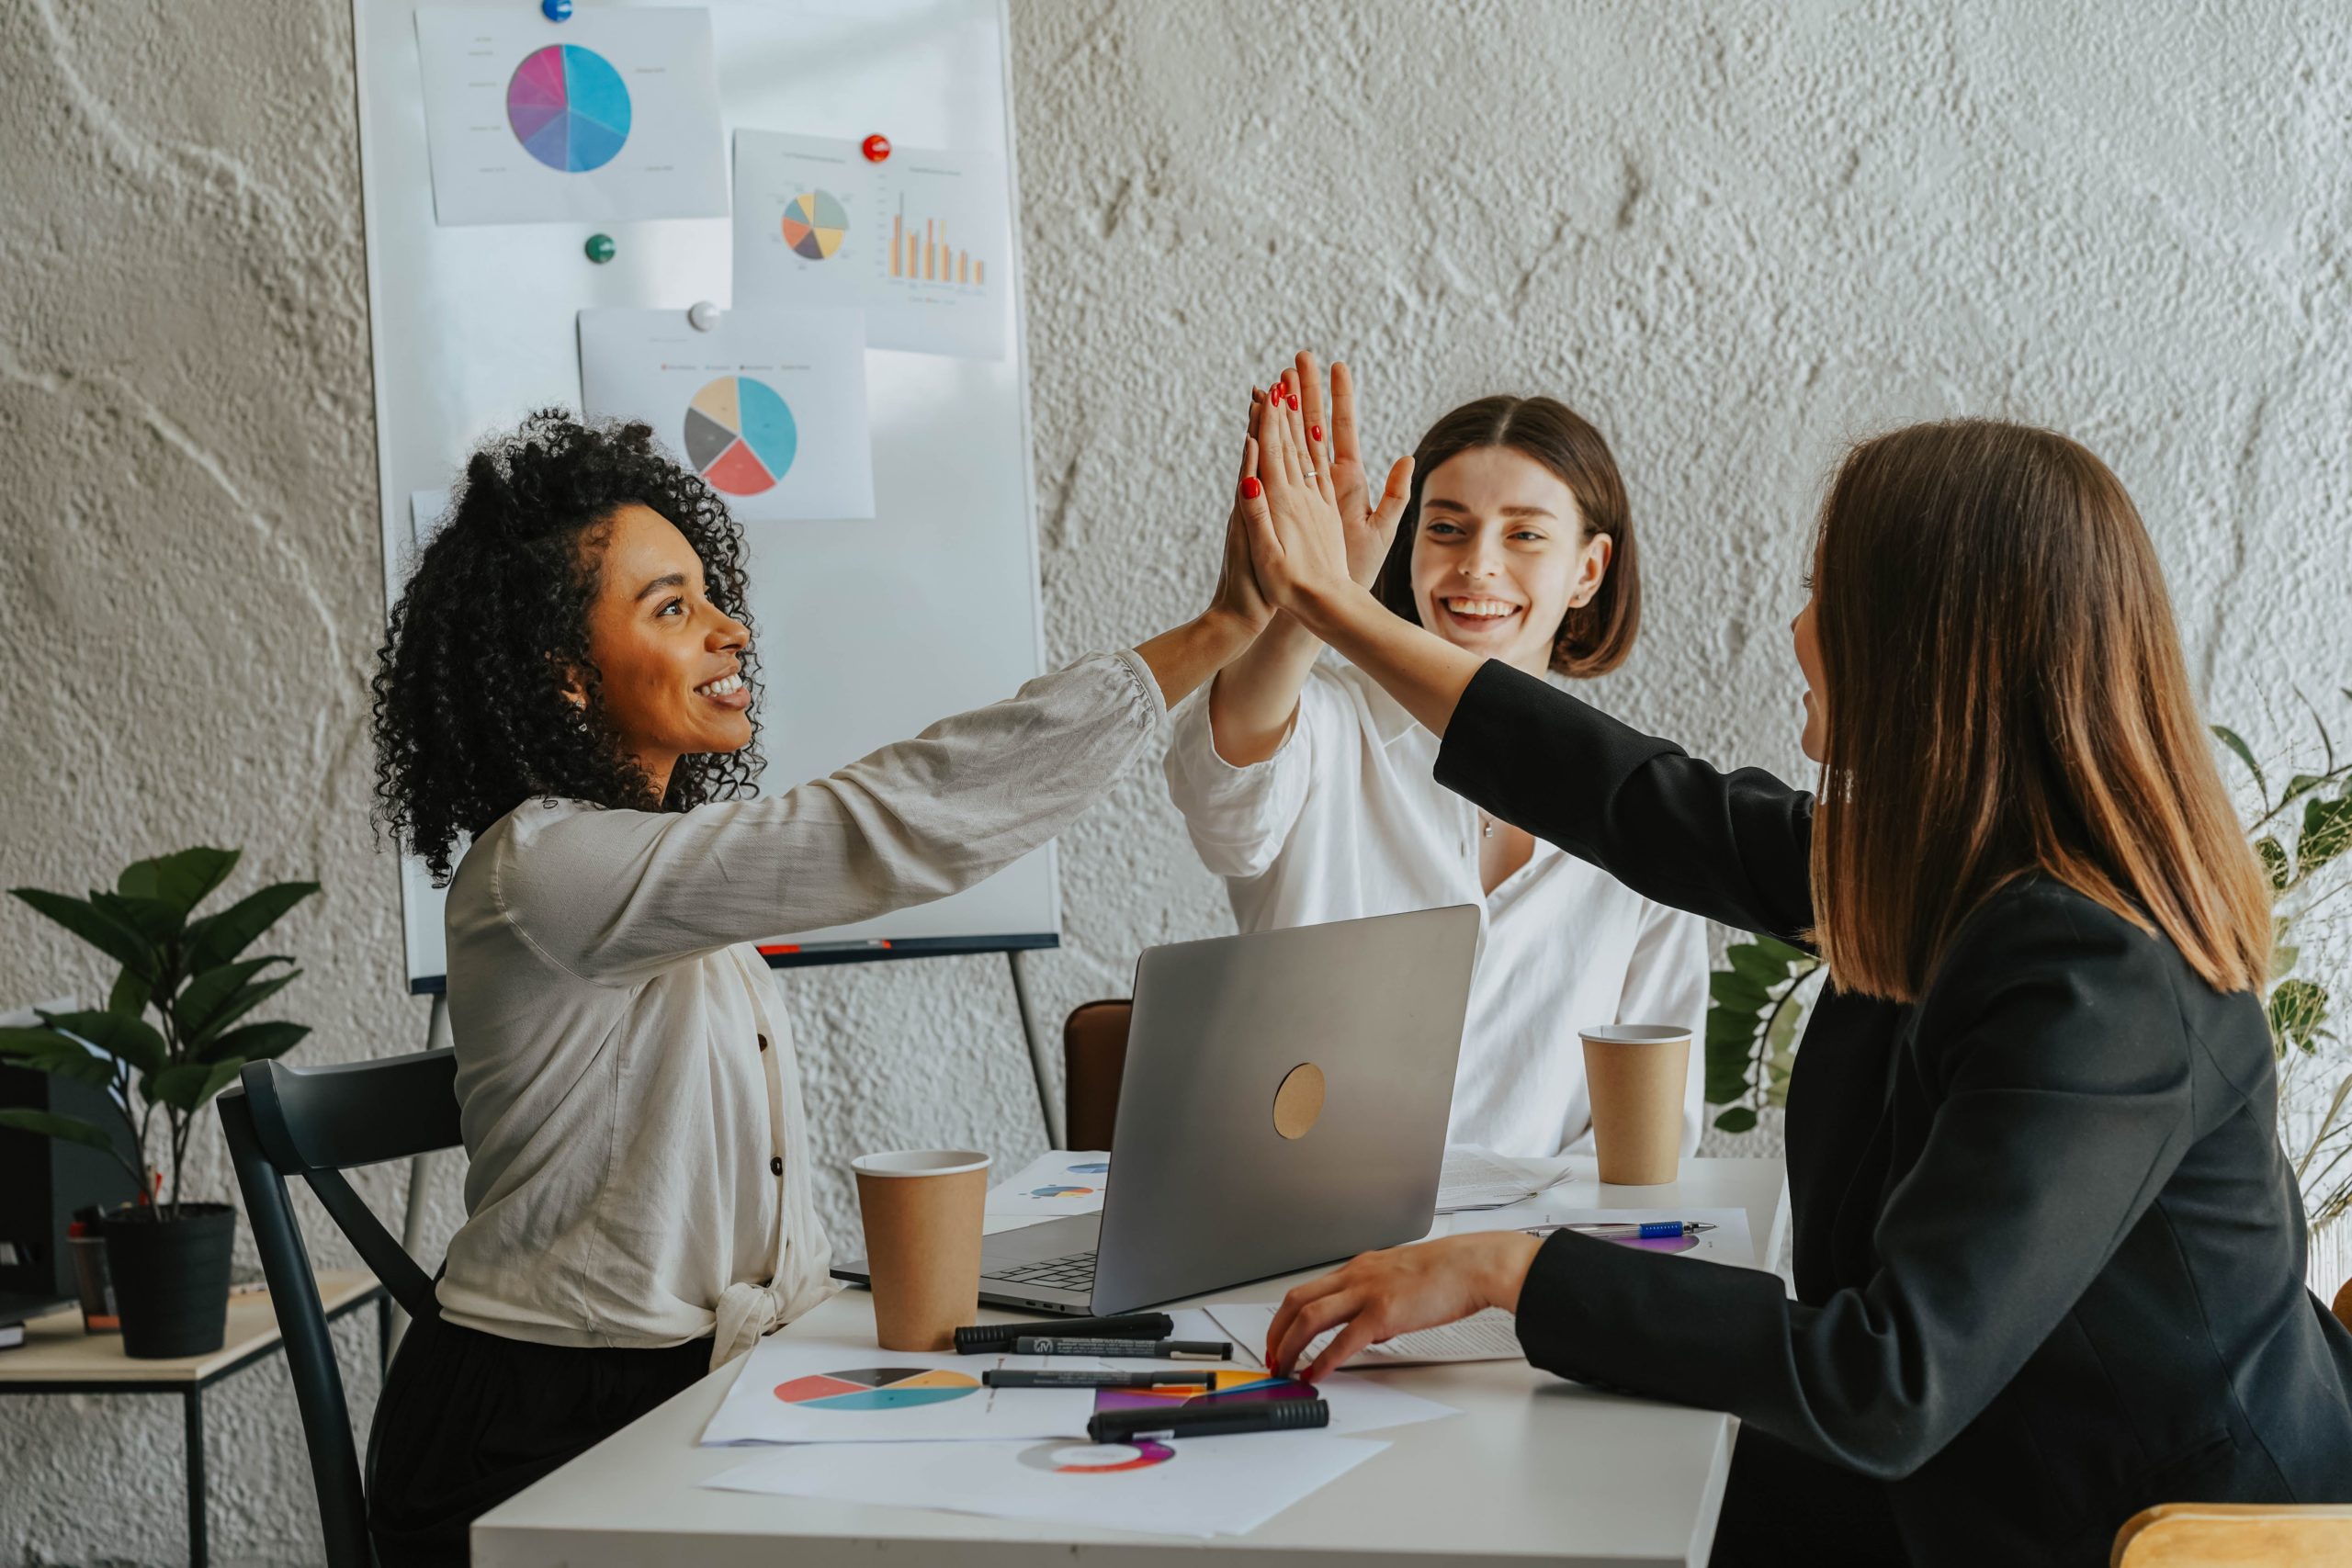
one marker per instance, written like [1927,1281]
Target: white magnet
[703,315]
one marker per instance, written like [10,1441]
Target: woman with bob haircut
[569,683]
[1307,788]
[2049,1254]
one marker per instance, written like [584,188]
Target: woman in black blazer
[2048,1252]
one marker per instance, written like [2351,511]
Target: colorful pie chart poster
[919,242]
[611,116]
[1207,1487]
[768,406]
[803,1389]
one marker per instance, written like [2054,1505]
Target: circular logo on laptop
[1298,1104]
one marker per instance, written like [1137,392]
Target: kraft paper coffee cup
[1635,1073]
[922,1209]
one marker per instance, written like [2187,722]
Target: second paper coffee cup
[1635,1073]
[921,1209]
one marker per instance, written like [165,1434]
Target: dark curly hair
[471,716]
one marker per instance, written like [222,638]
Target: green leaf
[1736,991]
[1725,1027]
[73,1129]
[1796,958]
[1749,959]
[238,1002]
[216,939]
[152,918]
[2273,855]
[2300,784]
[2229,737]
[255,1041]
[132,1040]
[46,1050]
[129,995]
[116,940]
[1739,1119]
[2327,832]
[1728,1087]
[189,1084]
[1781,1039]
[2297,1010]
[182,880]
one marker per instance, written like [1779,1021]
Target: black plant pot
[171,1277]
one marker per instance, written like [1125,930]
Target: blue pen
[1646,1230]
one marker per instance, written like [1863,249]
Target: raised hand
[1238,601]
[1370,525]
[1298,542]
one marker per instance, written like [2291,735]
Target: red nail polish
[1315,432]
[1250,486]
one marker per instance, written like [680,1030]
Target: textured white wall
[1734,236]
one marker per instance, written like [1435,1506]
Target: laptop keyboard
[1075,1272]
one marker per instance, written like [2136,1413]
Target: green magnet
[599,248]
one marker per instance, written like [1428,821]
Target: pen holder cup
[1635,1073]
[921,1209]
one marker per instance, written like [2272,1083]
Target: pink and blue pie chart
[568,107]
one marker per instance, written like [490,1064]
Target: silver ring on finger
[1310,473]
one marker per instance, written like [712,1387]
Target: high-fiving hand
[1304,553]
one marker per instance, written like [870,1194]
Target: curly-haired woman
[568,682]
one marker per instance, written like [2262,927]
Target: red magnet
[876,148]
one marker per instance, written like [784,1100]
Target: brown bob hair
[2005,695]
[1593,637]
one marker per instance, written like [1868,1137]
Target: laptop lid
[1284,1102]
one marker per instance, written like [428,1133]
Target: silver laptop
[1284,1105]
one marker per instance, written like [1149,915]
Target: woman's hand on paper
[1379,1295]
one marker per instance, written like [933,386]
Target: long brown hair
[1595,637]
[2007,695]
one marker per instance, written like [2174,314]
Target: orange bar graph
[928,257]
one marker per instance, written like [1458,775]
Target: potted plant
[2301,834]
[169,1257]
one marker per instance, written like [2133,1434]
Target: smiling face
[668,659]
[1500,555]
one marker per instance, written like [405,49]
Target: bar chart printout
[921,242]
[927,256]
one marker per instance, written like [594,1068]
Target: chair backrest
[317,1123]
[1094,1057]
[2235,1535]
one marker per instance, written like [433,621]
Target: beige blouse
[640,1159]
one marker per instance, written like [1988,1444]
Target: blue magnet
[556,10]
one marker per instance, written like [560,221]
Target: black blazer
[2049,1254]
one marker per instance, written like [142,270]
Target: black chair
[317,1123]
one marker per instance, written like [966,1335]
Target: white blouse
[1345,820]
[639,1160]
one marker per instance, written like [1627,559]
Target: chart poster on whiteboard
[611,116]
[919,240]
[767,405]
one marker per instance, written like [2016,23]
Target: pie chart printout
[877,1388]
[740,435]
[815,224]
[1096,1459]
[568,107]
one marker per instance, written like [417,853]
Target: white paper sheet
[802,1389]
[1205,1487]
[1727,1241]
[920,240]
[767,405]
[1059,1181]
[1474,1177]
[1488,1335]
[610,116]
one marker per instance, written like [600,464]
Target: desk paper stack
[921,1430]
[1472,1178]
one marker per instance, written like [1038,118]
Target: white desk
[1533,1470]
